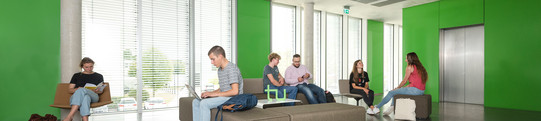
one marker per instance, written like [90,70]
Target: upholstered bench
[423,104]
[323,112]
[314,112]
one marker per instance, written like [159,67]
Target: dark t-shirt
[269,70]
[362,80]
[80,79]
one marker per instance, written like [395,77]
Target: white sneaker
[369,111]
[376,110]
[389,111]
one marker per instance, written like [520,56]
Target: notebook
[192,91]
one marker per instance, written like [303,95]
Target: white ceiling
[388,14]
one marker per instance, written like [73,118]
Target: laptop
[192,91]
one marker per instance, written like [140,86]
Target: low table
[262,102]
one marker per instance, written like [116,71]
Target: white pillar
[70,44]
[70,38]
[308,42]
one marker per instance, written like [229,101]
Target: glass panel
[283,34]
[212,27]
[333,46]
[109,38]
[354,45]
[317,51]
[388,51]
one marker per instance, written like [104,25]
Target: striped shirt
[229,75]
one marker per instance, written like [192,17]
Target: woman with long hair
[417,76]
[82,97]
[358,84]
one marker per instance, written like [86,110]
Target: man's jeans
[201,108]
[309,89]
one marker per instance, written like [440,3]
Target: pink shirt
[293,73]
[415,79]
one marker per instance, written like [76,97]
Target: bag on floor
[37,117]
[237,103]
[405,109]
[330,97]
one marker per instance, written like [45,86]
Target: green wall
[512,44]
[375,55]
[30,52]
[253,44]
[512,47]
[421,35]
[455,13]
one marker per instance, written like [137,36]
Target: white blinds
[354,45]
[332,54]
[165,49]
[317,51]
[212,27]
[109,38]
[283,34]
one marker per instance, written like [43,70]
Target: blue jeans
[309,90]
[83,97]
[290,90]
[201,108]
[402,91]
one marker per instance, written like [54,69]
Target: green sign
[346,11]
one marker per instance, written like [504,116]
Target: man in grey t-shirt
[273,78]
[230,85]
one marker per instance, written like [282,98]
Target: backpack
[237,103]
[330,97]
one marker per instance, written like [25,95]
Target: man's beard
[296,66]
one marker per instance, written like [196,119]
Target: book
[91,86]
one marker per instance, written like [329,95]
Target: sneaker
[376,110]
[389,111]
[369,111]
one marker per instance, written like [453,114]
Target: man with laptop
[230,81]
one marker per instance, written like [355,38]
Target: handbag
[37,117]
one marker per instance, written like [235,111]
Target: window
[353,45]
[332,56]
[212,27]
[392,56]
[109,38]
[317,49]
[283,34]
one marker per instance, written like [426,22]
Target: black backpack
[330,97]
[237,103]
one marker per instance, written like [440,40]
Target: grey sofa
[300,112]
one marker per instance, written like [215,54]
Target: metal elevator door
[462,65]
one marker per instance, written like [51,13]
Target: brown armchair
[62,97]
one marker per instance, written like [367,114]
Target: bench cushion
[254,114]
[323,112]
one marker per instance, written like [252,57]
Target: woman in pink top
[417,76]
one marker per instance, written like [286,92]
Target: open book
[100,86]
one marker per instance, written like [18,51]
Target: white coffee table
[262,102]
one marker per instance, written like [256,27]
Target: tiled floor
[447,111]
